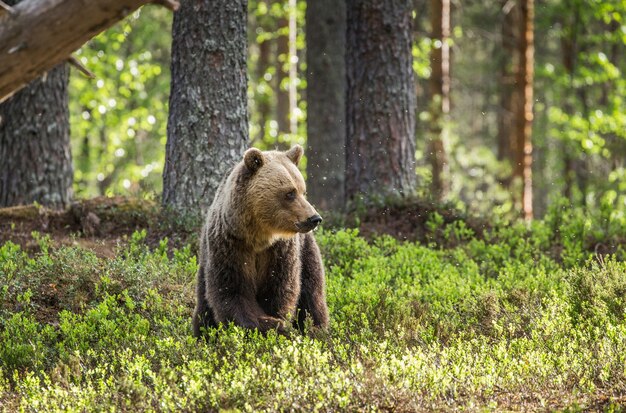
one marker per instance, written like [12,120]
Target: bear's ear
[254,159]
[295,154]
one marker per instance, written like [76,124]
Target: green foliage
[118,120]
[26,344]
[583,93]
[599,291]
[412,327]
[268,72]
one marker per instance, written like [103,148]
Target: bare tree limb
[62,26]
[78,65]
[7,8]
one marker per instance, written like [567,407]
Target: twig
[78,65]
[173,5]
[8,8]
[17,48]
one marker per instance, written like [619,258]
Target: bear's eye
[291,195]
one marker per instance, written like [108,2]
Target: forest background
[119,121]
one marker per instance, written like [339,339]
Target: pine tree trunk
[523,166]
[381,99]
[326,102]
[35,156]
[569,50]
[207,129]
[516,117]
[526,82]
[509,64]
[440,95]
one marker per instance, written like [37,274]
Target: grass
[497,322]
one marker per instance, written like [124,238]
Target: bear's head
[276,192]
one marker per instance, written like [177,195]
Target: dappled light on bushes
[412,327]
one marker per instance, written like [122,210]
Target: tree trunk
[515,122]
[326,102]
[440,95]
[575,163]
[509,64]
[523,166]
[62,26]
[380,153]
[207,129]
[569,49]
[36,161]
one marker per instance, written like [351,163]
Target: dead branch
[78,65]
[7,8]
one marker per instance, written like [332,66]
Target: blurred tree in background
[439,105]
[326,103]
[380,111]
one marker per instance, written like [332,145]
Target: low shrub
[497,322]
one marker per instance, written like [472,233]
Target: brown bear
[259,262]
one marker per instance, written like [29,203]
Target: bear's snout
[314,220]
[309,224]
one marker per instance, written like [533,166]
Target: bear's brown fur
[259,263]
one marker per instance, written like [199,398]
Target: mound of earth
[99,223]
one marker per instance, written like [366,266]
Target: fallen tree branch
[42,33]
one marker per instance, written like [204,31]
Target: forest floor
[444,312]
[100,224]
[107,221]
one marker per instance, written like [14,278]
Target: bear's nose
[314,220]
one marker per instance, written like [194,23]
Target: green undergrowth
[495,323]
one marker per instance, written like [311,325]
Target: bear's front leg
[241,308]
[232,298]
[312,301]
[279,293]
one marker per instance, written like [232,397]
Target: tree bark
[440,95]
[516,117]
[326,102]
[509,65]
[380,157]
[523,166]
[569,49]
[40,34]
[208,118]
[35,151]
